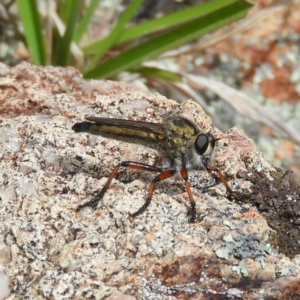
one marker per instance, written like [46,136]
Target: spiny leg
[214,176]
[192,210]
[129,164]
[165,174]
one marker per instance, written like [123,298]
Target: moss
[277,198]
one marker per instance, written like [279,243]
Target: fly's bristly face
[185,144]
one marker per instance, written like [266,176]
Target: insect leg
[165,174]
[214,176]
[130,164]
[192,211]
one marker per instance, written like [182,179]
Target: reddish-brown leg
[164,174]
[214,176]
[192,210]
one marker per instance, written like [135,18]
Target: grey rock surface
[46,171]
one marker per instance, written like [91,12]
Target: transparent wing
[135,125]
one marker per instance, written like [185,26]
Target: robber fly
[180,141]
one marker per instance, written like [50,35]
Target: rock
[47,171]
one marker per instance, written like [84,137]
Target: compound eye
[204,144]
[201,143]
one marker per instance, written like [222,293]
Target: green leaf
[169,40]
[62,55]
[107,42]
[64,8]
[172,19]
[33,30]
[162,23]
[84,23]
[157,73]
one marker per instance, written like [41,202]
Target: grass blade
[63,49]
[169,40]
[172,19]
[84,23]
[162,23]
[157,73]
[107,42]
[33,30]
